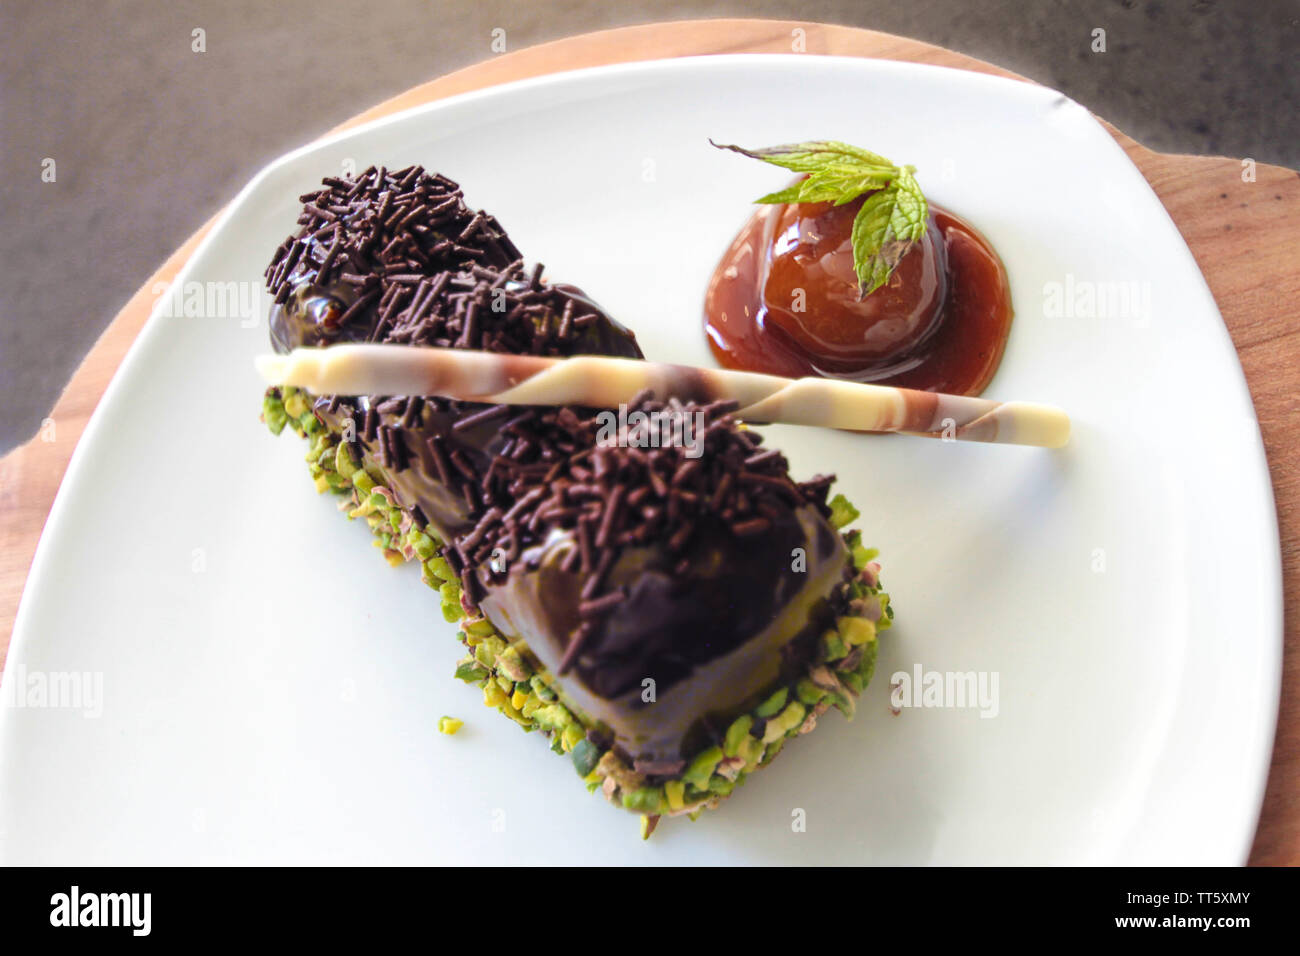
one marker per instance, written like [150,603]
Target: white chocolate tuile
[601,382]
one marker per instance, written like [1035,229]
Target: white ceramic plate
[271,688]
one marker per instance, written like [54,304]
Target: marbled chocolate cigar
[603,382]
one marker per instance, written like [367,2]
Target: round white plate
[258,685]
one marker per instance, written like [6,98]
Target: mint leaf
[836,186]
[887,224]
[891,218]
[811,156]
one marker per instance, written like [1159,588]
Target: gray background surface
[150,138]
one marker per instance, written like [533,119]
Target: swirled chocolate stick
[603,382]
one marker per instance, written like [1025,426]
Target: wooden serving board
[1243,234]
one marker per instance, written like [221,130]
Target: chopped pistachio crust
[839,670]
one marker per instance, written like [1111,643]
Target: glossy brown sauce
[783,300]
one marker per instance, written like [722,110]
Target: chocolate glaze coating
[713,639]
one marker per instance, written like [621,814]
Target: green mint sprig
[891,218]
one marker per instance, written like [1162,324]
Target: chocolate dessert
[669,613]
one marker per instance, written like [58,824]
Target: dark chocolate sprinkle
[477,418]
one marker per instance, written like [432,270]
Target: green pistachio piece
[449,725]
[781,724]
[737,733]
[842,512]
[675,792]
[425,547]
[470,671]
[542,690]
[645,799]
[855,630]
[721,785]
[773,704]
[808,692]
[845,704]
[773,749]
[554,717]
[863,556]
[510,663]
[701,768]
[833,646]
[294,403]
[481,627]
[439,568]
[867,666]
[343,462]
[585,756]
[572,735]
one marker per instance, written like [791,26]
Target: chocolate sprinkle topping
[634,491]
[397,257]
[386,228]
[496,309]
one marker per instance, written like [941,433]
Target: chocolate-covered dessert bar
[669,612]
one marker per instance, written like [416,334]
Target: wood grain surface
[1244,234]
